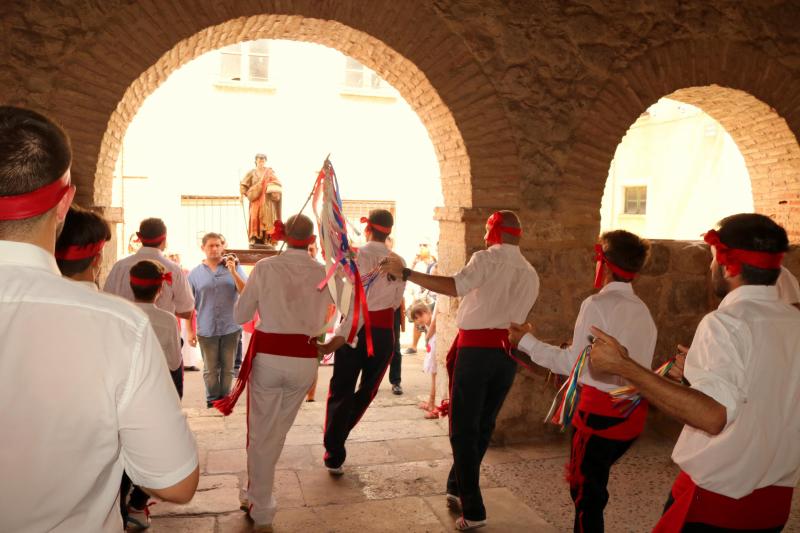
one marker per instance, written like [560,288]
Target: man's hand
[230,263]
[392,265]
[517,331]
[676,372]
[191,337]
[330,346]
[608,355]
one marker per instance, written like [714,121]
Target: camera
[226,257]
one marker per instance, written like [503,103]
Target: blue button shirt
[214,298]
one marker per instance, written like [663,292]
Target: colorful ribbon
[150,282]
[31,204]
[733,258]
[279,234]
[602,262]
[383,229]
[495,229]
[561,412]
[76,253]
[630,394]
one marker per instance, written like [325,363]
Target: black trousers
[697,527]
[591,497]
[481,380]
[397,358]
[346,404]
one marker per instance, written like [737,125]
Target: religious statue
[264,191]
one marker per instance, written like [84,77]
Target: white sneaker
[338,471]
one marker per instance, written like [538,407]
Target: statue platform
[251,256]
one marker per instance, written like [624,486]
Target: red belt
[286,344]
[382,318]
[475,338]
[763,508]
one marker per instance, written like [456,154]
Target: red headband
[733,258]
[382,229]
[149,282]
[31,204]
[495,229]
[279,234]
[76,253]
[602,261]
[149,240]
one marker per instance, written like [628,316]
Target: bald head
[299,227]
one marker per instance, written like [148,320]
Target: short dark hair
[212,235]
[81,227]
[381,217]
[757,233]
[299,227]
[146,269]
[34,152]
[150,228]
[626,250]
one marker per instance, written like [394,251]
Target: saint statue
[264,191]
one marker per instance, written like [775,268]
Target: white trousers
[278,386]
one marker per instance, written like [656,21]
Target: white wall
[693,170]
[194,136]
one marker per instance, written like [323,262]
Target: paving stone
[215,494]
[496,455]
[226,461]
[362,453]
[321,488]
[391,429]
[298,458]
[304,519]
[299,435]
[546,450]
[421,449]
[398,515]
[505,513]
[200,524]
[207,424]
[222,440]
[394,412]
[404,479]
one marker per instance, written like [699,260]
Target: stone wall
[525,103]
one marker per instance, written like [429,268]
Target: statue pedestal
[251,256]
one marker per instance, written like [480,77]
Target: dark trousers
[481,379]
[397,358]
[346,404]
[697,527]
[591,496]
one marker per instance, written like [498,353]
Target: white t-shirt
[788,287]
[175,298]
[616,310]
[745,356]
[85,394]
[165,326]
[498,286]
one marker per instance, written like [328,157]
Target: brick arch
[107,82]
[751,95]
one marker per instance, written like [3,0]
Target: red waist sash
[475,338]
[382,318]
[763,508]
[286,344]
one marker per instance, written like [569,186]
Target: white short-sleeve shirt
[86,394]
[165,326]
[745,356]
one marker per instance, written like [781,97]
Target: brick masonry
[524,102]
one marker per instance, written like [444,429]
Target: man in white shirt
[602,431]
[788,288]
[91,396]
[498,286]
[176,298]
[346,404]
[79,248]
[738,451]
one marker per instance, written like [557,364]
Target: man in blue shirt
[216,285]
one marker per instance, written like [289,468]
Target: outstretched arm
[446,285]
[685,404]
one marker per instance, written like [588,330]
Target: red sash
[475,338]
[285,344]
[763,508]
[596,402]
[382,318]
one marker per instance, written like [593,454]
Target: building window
[635,200]
[218,214]
[245,62]
[357,76]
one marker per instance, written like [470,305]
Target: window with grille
[636,200]
[247,62]
[218,214]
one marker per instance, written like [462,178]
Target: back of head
[383,218]
[148,271]
[299,228]
[626,250]
[510,220]
[756,233]
[152,232]
[34,152]
[82,228]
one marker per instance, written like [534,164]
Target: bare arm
[185,315]
[180,492]
[439,284]
[687,405]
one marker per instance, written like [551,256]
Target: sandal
[462,524]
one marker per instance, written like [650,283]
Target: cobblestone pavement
[395,474]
